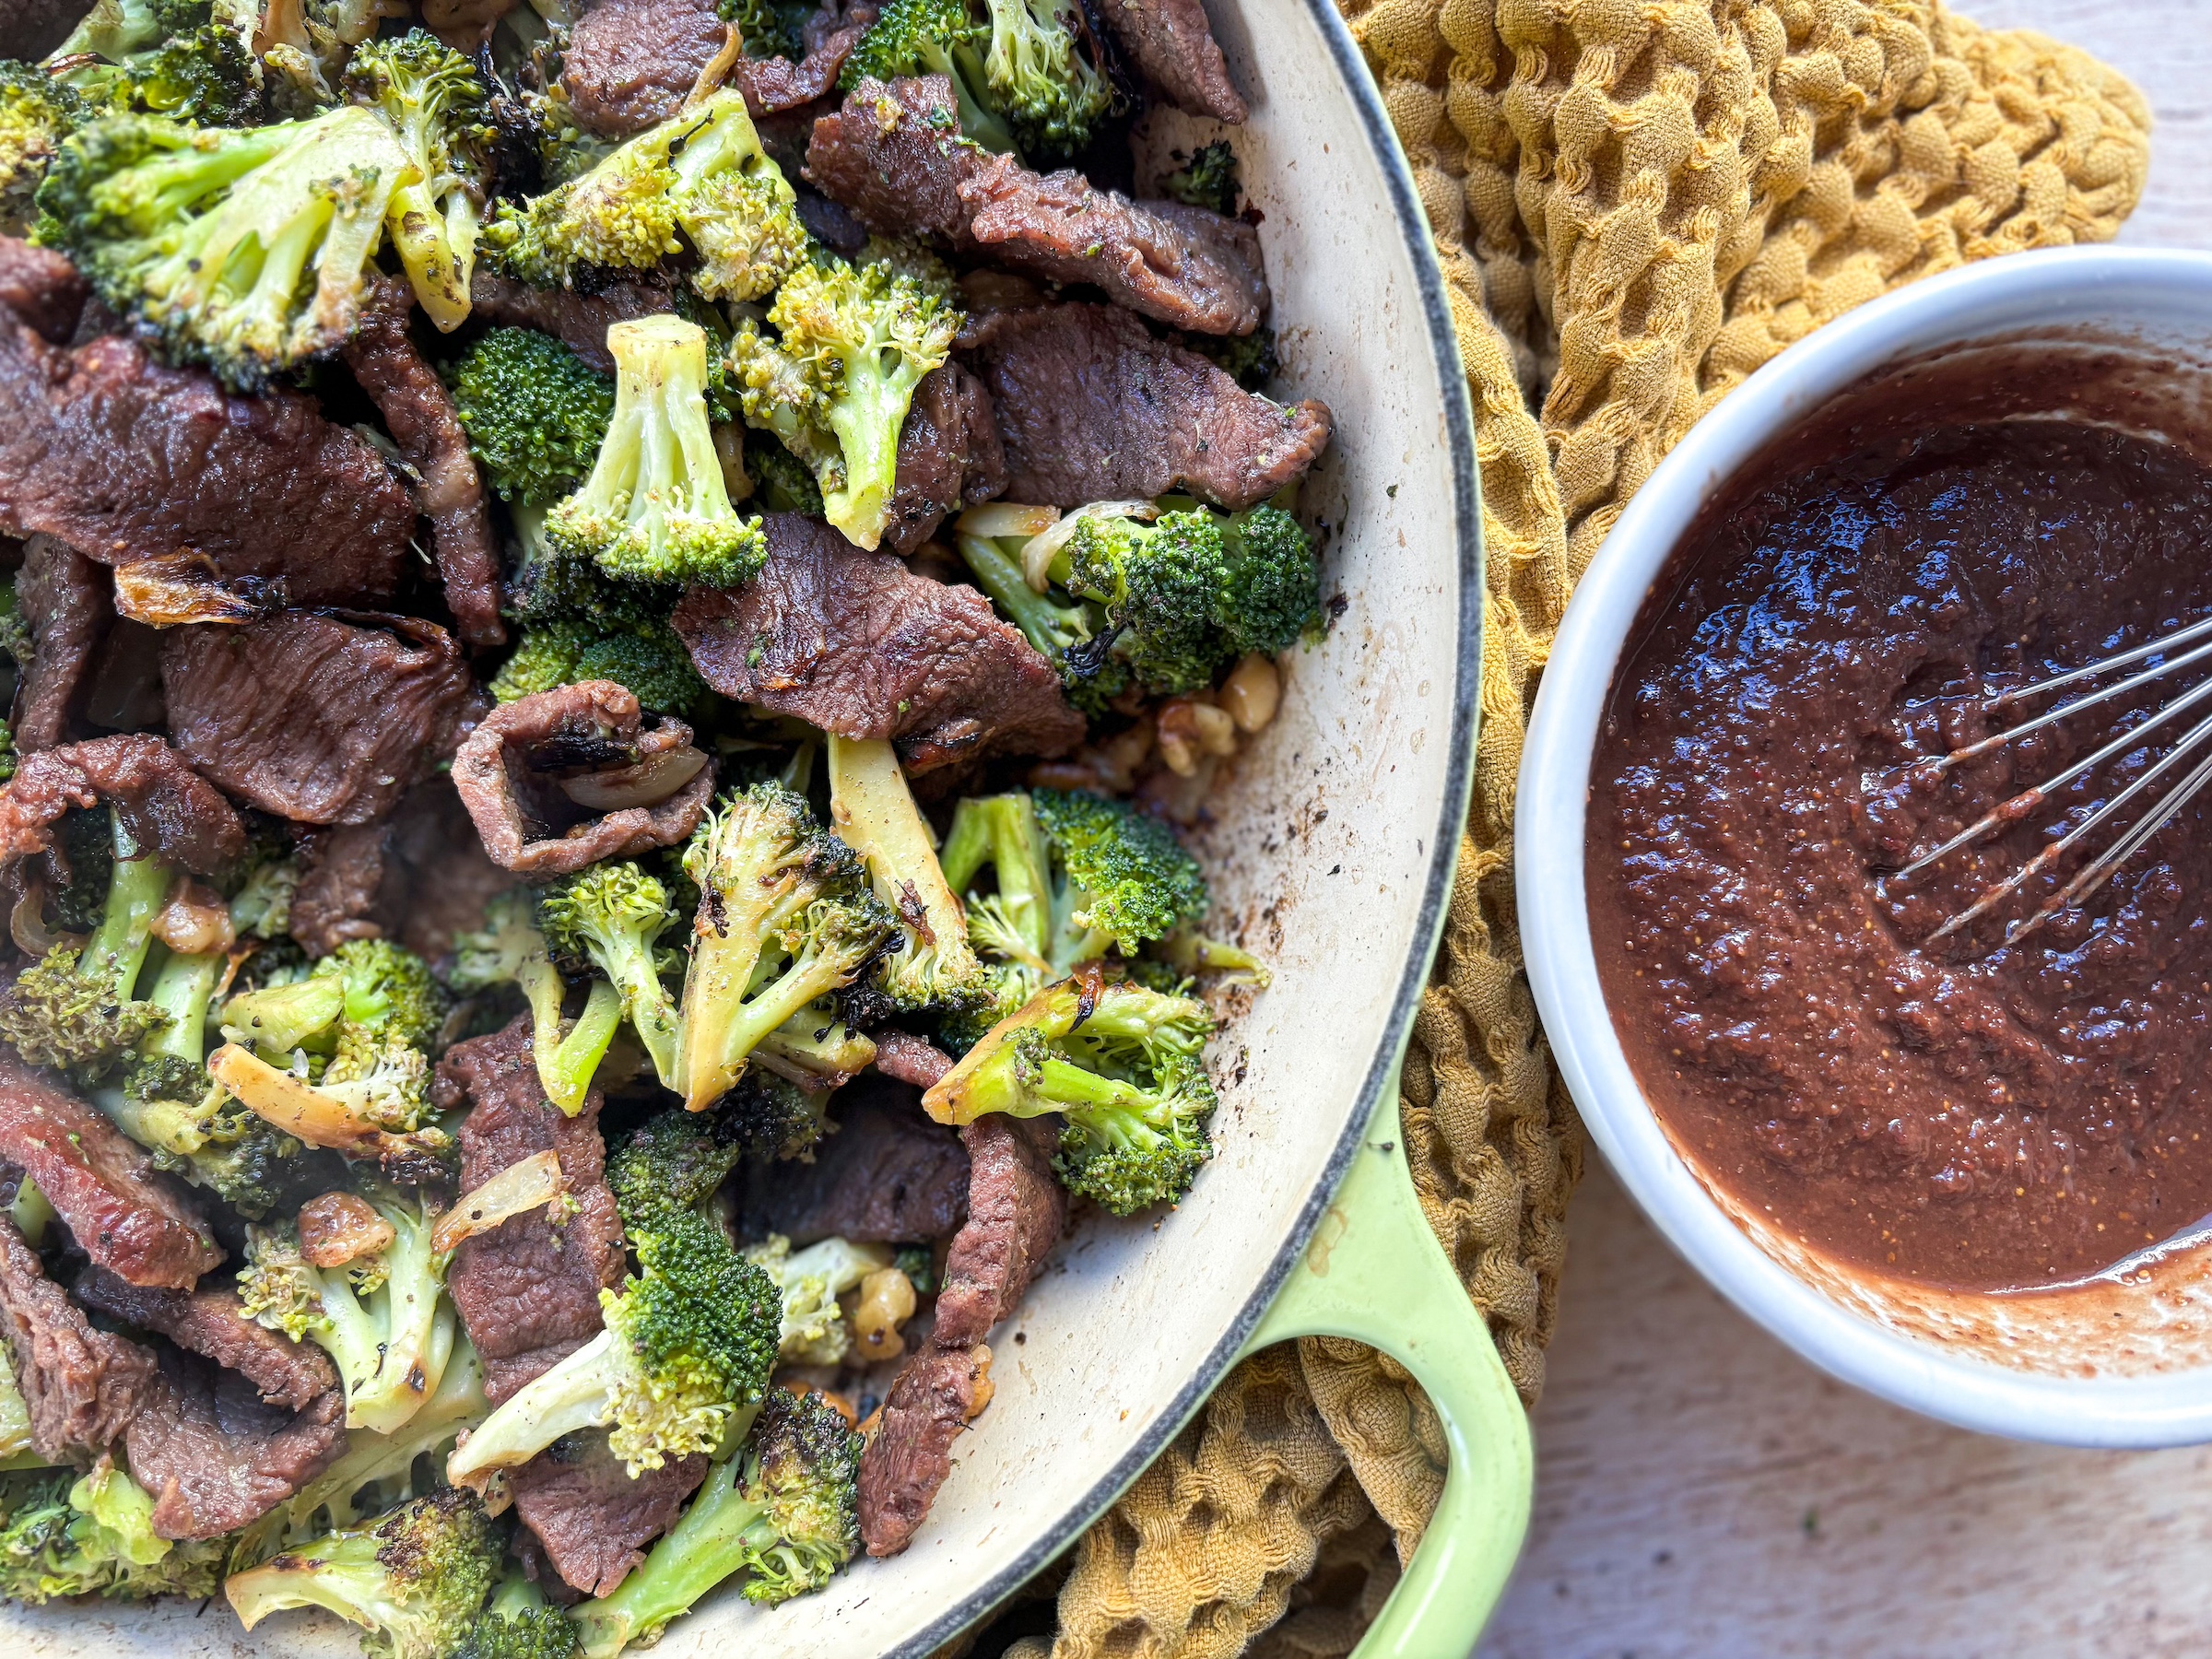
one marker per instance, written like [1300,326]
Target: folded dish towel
[1637,203]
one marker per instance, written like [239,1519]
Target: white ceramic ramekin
[2127,1361]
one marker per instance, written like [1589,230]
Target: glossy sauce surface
[1970,1114]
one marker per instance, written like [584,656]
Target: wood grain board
[1701,1491]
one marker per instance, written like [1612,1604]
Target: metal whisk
[2182,650]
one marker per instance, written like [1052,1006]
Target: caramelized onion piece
[185,587]
[517,1188]
[194,921]
[648,784]
[338,1228]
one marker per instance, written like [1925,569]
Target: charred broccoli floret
[534,413]
[671,1164]
[689,1342]
[933,37]
[36,113]
[784,918]
[1073,636]
[1038,75]
[655,508]
[785,1512]
[1210,179]
[385,1320]
[780,1107]
[612,915]
[66,1535]
[1121,1064]
[1249,360]
[700,179]
[414,1579]
[835,387]
[247,251]
[438,106]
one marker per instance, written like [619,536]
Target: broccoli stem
[652,1010]
[136,890]
[719,1533]
[183,986]
[1045,625]
[873,813]
[392,1349]
[1004,831]
[572,1396]
[567,1059]
[868,418]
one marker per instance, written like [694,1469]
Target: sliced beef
[83,1386]
[65,600]
[418,413]
[341,873]
[911,1059]
[528,773]
[580,320]
[949,456]
[528,1291]
[1016,1212]
[774,85]
[210,1322]
[438,879]
[213,1455]
[856,644]
[122,1214]
[166,807]
[630,63]
[1093,407]
[591,1519]
[315,718]
[888,1176]
[934,1398]
[124,460]
[41,287]
[893,155]
[1172,44]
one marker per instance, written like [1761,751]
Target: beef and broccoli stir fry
[613,617]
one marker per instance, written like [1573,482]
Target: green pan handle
[1375,1273]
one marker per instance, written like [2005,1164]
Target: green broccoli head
[769,28]
[549,585]
[207,75]
[1209,179]
[539,1632]
[853,342]
[1272,596]
[66,1535]
[81,1010]
[1121,1063]
[649,661]
[386,990]
[655,508]
[1052,94]
[36,114]
[933,37]
[534,412]
[786,483]
[771,1117]
[414,1579]
[612,915]
[247,251]
[672,1162]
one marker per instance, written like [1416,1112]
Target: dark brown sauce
[1961,1115]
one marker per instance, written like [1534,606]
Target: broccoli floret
[77,1010]
[36,114]
[373,1103]
[534,413]
[785,1512]
[287,1014]
[530,1630]
[553,585]
[702,173]
[835,387]
[775,1114]
[385,1321]
[671,1164]
[15,1417]
[649,661]
[690,1341]
[784,918]
[612,915]
[768,28]
[1121,1064]
[1209,179]
[436,103]
[1072,637]
[262,907]
[192,61]
[387,991]
[66,1535]
[1052,94]
[247,251]
[655,508]
[785,483]
[815,1332]
[873,812]
[414,1579]
[933,37]
[511,949]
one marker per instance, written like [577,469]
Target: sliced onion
[194,921]
[185,587]
[310,1114]
[1039,551]
[338,1228]
[648,784]
[515,1190]
[1005,518]
[26,925]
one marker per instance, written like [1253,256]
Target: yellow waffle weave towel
[1637,203]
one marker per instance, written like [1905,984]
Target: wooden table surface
[1701,1491]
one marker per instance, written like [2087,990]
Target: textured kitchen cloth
[1637,203]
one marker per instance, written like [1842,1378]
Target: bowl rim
[1436,322]
[1973,302]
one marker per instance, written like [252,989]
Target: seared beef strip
[125,459]
[41,287]
[1172,43]
[438,879]
[215,1455]
[888,1176]
[934,1398]
[340,873]
[527,1292]
[418,413]
[1093,407]
[522,772]
[83,1386]
[593,1520]
[856,644]
[122,1214]
[1016,1212]
[911,1059]
[894,156]
[580,320]
[949,456]
[166,807]
[211,1324]
[65,600]
[316,719]
[630,63]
